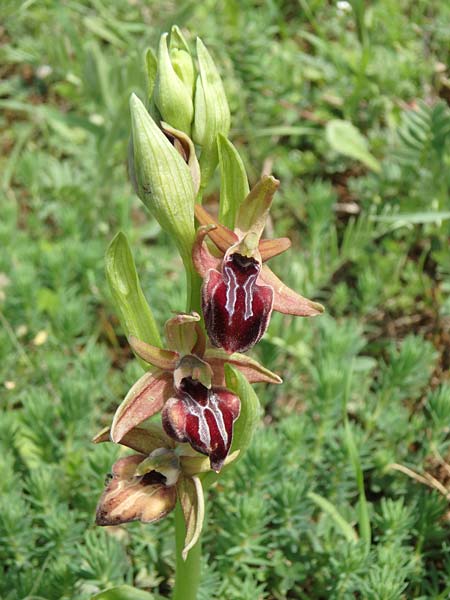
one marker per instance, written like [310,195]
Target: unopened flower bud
[181,59]
[212,114]
[163,180]
[172,96]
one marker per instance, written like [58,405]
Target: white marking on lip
[199,411]
[248,289]
[232,286]
[214,408]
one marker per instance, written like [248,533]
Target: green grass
[365,387]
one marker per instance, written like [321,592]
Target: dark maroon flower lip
[236,309]
[202,417]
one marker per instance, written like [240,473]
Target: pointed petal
[190,494]
[145,398]
[251,369]
[129,498]
[102,436]
[144,439]
[236,309]
[286,300]
[204,418]
[201,257]
[271,248]
[222,236]
[163,359]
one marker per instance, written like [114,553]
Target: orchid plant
[199,381]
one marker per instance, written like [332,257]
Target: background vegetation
[344,493]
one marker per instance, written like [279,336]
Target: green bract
[163,180]
[135,314]
[233,181]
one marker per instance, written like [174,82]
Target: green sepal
[252,215]
[184,335]
[250,414]
[135,314]
[180,56]
[163,180]
[212,114]
[233,181]
[171,94]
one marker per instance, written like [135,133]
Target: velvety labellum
[202,417]
[236,309]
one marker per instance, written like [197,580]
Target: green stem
[187,572]
[187,576]
[193,287]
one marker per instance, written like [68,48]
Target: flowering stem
[187,575]
[187,572]
[194,284]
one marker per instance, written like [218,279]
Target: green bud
[163,180]
[172,96]
[212,115]
[135,314]
[181,58]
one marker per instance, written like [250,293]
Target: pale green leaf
[346,139]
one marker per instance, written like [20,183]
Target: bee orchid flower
[239,291]
[186,382]
[146,486]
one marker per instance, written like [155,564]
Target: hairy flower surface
[239,291]
[187,385]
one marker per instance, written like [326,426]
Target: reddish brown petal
[158,357]
[204,418]
[145,398]
[201,257]
[221,236]
[254,372]
[129,498]
[236,309]
[286,300]
[143,439]
[270,248]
